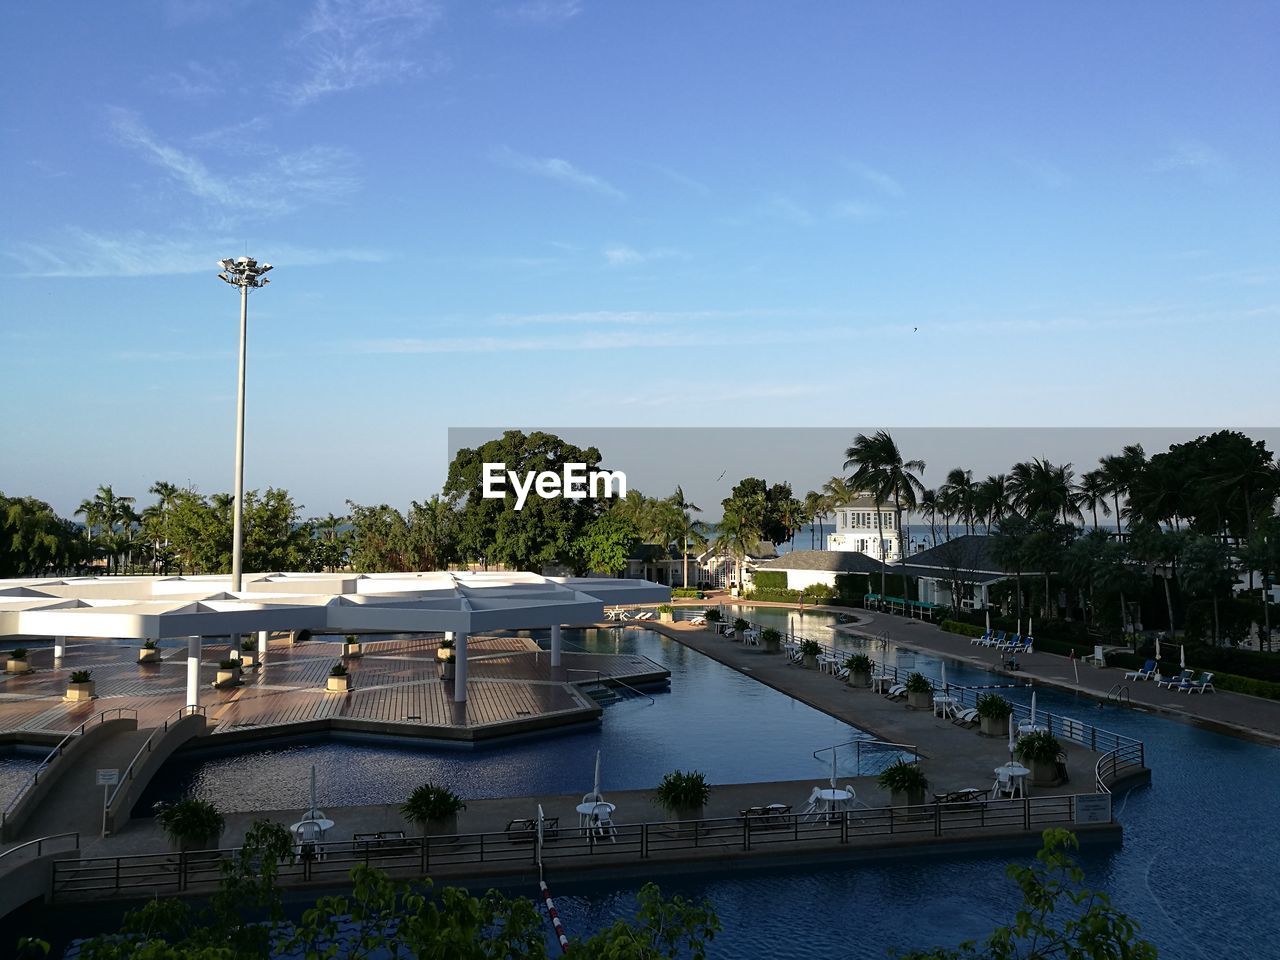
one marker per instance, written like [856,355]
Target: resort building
[807,568]
[718,569]
[963,565]
[857,529]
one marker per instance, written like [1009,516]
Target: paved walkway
[1254,718]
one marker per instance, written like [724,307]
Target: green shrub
[964,629]
[775,596]
[994,707]
[810,648]
[190,822]
[740,624]
[19,653]
[81,676]
[148,644]
[817,593]
[429,802]
[1038,747]
[447,643]
[228,664]
[903,777]
[248,646]
[683,791]
[770,636]
[1256,688]
[918,683]
[664,608]
[337,670]
[771,580]
[858,663]
[686,593]
[713,615]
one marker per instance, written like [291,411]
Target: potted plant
[919,692]
[448,666]
[351,646]
[684,795]
[665,613]
[993,715]
[1039,751]
[18,662]
[228,673]
[713,615]
[190,824]
[434,809]
[150,652]
[905,782]
[859,667]
[772,640]
[248,654]
[80,686]
[740,627]
[339,681]
[445,650]
[809,649]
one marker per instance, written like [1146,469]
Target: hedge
[1257,688]
[816,593]
[964,629]
[771,580]
[685,593]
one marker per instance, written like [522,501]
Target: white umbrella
[1019,626]
[944,678]
[1031,630]
[833,768]
[1013,740]
[988,612]
[1033,708]
[1157,648]
[1183,647]
[312,812]
[595,787]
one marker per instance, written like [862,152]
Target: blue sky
[605,214]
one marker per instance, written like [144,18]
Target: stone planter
[351,650]
[17,666]
[906,798]
[666,617]
[810,662]
[859,679]
[201,843]
[920,699]
[339,684]
[248,660]
[227,678]
[444,653]
[991,727]
[447,668]
[1043,774]
[80,691]
[773,646]
[444,827]
[149,656]
[686,817]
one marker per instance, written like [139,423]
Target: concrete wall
[31,878]
[163,743]
[53,773]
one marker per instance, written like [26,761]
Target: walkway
[1253,718]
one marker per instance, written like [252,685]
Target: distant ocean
[919,537]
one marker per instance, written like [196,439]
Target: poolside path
[1237,714]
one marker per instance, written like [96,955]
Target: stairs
[601,693]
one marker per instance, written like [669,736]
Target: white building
[857,529]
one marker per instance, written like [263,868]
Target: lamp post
[243,272]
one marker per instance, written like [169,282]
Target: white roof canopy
[157,607]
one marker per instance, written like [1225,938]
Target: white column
[460,668]
[193,671]
[262,644]
[59,647]
[234,653]
[555,645]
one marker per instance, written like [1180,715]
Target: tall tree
[879,468]
[1119,472]
[689,530]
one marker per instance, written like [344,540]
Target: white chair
[602,823]
[307,836]
[1003,787]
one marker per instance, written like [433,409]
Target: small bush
[190,821]
[859,663]
[770,635]
[19,653]
[447,643]
[664,608]
[1038,747]
[429,802]
[810,648]
[775,596]
[713,616]
[918,683]
[686,593]
[903,777]
[81,676]
[683,791]
[1256,688]
[337,670]
[740,624]
[228,664]
[994,707]
[964,629]
[148,644]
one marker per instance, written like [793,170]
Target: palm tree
[991,499]
[1093,494]
[879,468]
[738,534]
[688,527]
[958,490]
[1037,486]
[929,507]
[1121,472]
[816,506]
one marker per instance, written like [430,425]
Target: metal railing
[417,856]
[117,713]
[613,681]
[877,749]
[127,776]
[1123,760]
[39,843]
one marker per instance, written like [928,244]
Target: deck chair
[897,692]
[1199,685]
[993,639]
[1003,786]
[1147,671]
[1026,645]
[307,837]
[602,827]
[1180,680]
[811,806]
[966,718]
[981,638]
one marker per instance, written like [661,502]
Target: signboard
[108,778]
[1093,808]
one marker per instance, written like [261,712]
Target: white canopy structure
[457,603]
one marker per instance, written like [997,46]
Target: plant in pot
[150,652]
[809,649]
[665,612]
[859,667]
[905,782]
[919,692]
[772,640]
[248,654]
[190,823]
[993,715]
[351,646]
[448,666]
[228,673]
[339,680]
[445,650]
[683,795]
[1039,751]
[713,615]
[434,809]
[18,662]
[740,627]
[80,686]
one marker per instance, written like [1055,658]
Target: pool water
[17,764]
[702,721]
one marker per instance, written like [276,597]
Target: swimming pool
[17,764]
[1197,869]
[701,721]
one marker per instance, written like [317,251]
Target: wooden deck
[396,688]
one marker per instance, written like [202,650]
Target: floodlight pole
[243,272]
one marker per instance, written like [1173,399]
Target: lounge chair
[698,620]
[1146,673]
[1178,681]
[1003,786]
[897,692]
[1199,685]
[966,718]
[1014,643]
[1026,645]
[993,640]
[981,638]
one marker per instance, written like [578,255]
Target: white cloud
[621,255]
[194,81]
[282,183]
[554,168]
[878,179]
[784,208]
[541,11]
[1190,155]
[855,210]
[639,318]
[82,253]
[350,44]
